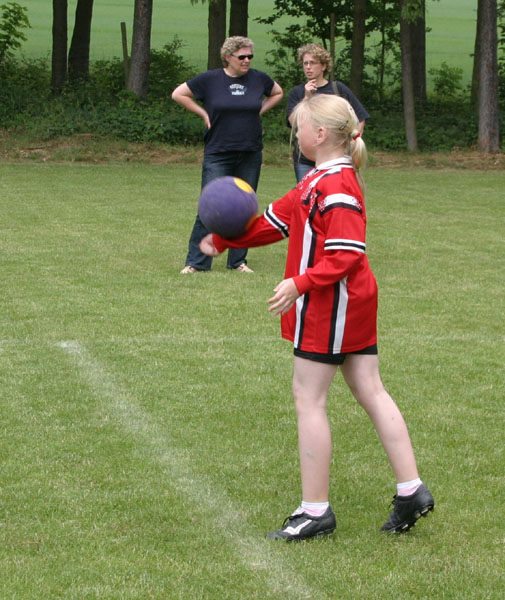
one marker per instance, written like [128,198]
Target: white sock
[407,488]
[314,509]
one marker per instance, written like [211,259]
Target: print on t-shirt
[237,89]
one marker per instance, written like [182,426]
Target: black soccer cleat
[302,526]
[408,509]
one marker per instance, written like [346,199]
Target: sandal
[189,269]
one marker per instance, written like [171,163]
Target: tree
[59,49]
[217,32]
[138,77]
[489,123]
[418,46]
[476,62]
[358,46]
[354,19]
[13,20]
[318,14]
[239,17]
[384,18]
[78,55]
[216,26]
[409,112]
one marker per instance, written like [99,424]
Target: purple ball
[228,206]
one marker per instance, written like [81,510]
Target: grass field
[148,439]
[451,39]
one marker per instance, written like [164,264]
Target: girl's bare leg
[311,382]
[361,373]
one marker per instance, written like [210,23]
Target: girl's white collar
[347,160]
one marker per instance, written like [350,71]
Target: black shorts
[333,359]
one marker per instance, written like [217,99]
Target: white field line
[202,491]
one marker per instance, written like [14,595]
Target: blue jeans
[301,170]
[247,166]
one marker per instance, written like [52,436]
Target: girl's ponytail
[336,115]
[357,149]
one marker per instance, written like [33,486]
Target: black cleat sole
[404,527]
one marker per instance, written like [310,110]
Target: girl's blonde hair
[232,44]
[337,116]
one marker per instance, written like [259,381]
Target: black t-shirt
[233,105]
[297,94]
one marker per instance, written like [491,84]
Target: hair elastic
[356,137]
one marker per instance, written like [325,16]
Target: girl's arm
[260,233]
[332,268]
[344,250]
[272,226]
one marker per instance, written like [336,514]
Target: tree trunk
[409,112]
[238,17]
[138,77]
[382,68]
[474,96]
[217,32]
[418,43]
[78,55]
[59,50]
[489,124]
[358,46]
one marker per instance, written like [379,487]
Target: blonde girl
[328,307]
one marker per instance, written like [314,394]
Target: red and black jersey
[325,220]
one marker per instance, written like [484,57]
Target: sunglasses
[243,56]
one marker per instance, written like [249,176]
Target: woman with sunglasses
[230,102]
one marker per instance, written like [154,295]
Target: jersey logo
[237,89]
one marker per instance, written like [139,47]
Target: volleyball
[228,206]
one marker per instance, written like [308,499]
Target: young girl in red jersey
[328,307]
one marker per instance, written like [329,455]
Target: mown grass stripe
[219,511]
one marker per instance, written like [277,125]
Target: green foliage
[382,73]
[25,87]
[168,69]
[382,77]
[312,23]
[283,58]
[150,121]
[441,126]
[447,81]
[13,20]
[100,104]
[316,13]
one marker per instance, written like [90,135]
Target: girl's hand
[285,296]
[207,246]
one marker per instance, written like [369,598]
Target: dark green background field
[451,39]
